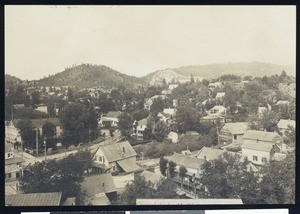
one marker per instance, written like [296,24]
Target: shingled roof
[34,199]
[100,183]
[117,151]
[236,128]
[259,146]
[187,161]
[260,135]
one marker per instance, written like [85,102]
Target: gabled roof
[153,178]
[34,199]
[143,122]
[117,151]
[259,146]
[209,153]
[283,124]
[260,135]
[113,114]
[187,161]
[96,184]
[236,128]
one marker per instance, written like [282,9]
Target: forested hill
[11,80]
[241,69]
[86,76]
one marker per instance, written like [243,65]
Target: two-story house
[139,128]
[232,133]
[13,165]
[116,157]
[111,119]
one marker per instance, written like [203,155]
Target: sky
[137,40]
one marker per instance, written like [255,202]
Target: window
[264,160]
[100,159]
[8,155]
[8,175]
[103,160]
[255,158]
[114,168]
[234,136]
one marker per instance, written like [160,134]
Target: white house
[116,157]
[220,96]
[110,119]
[173,136]
[284,124]
[13,165]
[259,152]
[139,127]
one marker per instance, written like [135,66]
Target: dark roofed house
[117,157]
[34,199]
[100,189]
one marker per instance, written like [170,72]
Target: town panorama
[93,136]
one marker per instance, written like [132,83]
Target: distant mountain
[256,69]
[170,75]
[212,71]
[86,76]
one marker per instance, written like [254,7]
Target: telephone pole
[37,141]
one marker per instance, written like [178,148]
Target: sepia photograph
[150,105]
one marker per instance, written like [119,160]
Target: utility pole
[37,141]
[45,143]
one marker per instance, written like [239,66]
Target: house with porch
[139,128]
[192,164]
[111,119]
[115,158]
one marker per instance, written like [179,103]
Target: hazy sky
[136,40]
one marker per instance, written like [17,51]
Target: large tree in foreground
[228,177]
[125,124]
[63,176]
[141,188]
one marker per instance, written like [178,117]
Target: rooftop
[117,151]
[100,183]
[113,114]
[260,135]
[236,128]
[187,161]
[259,146]
[34,199]
[188,201]
[283,124]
